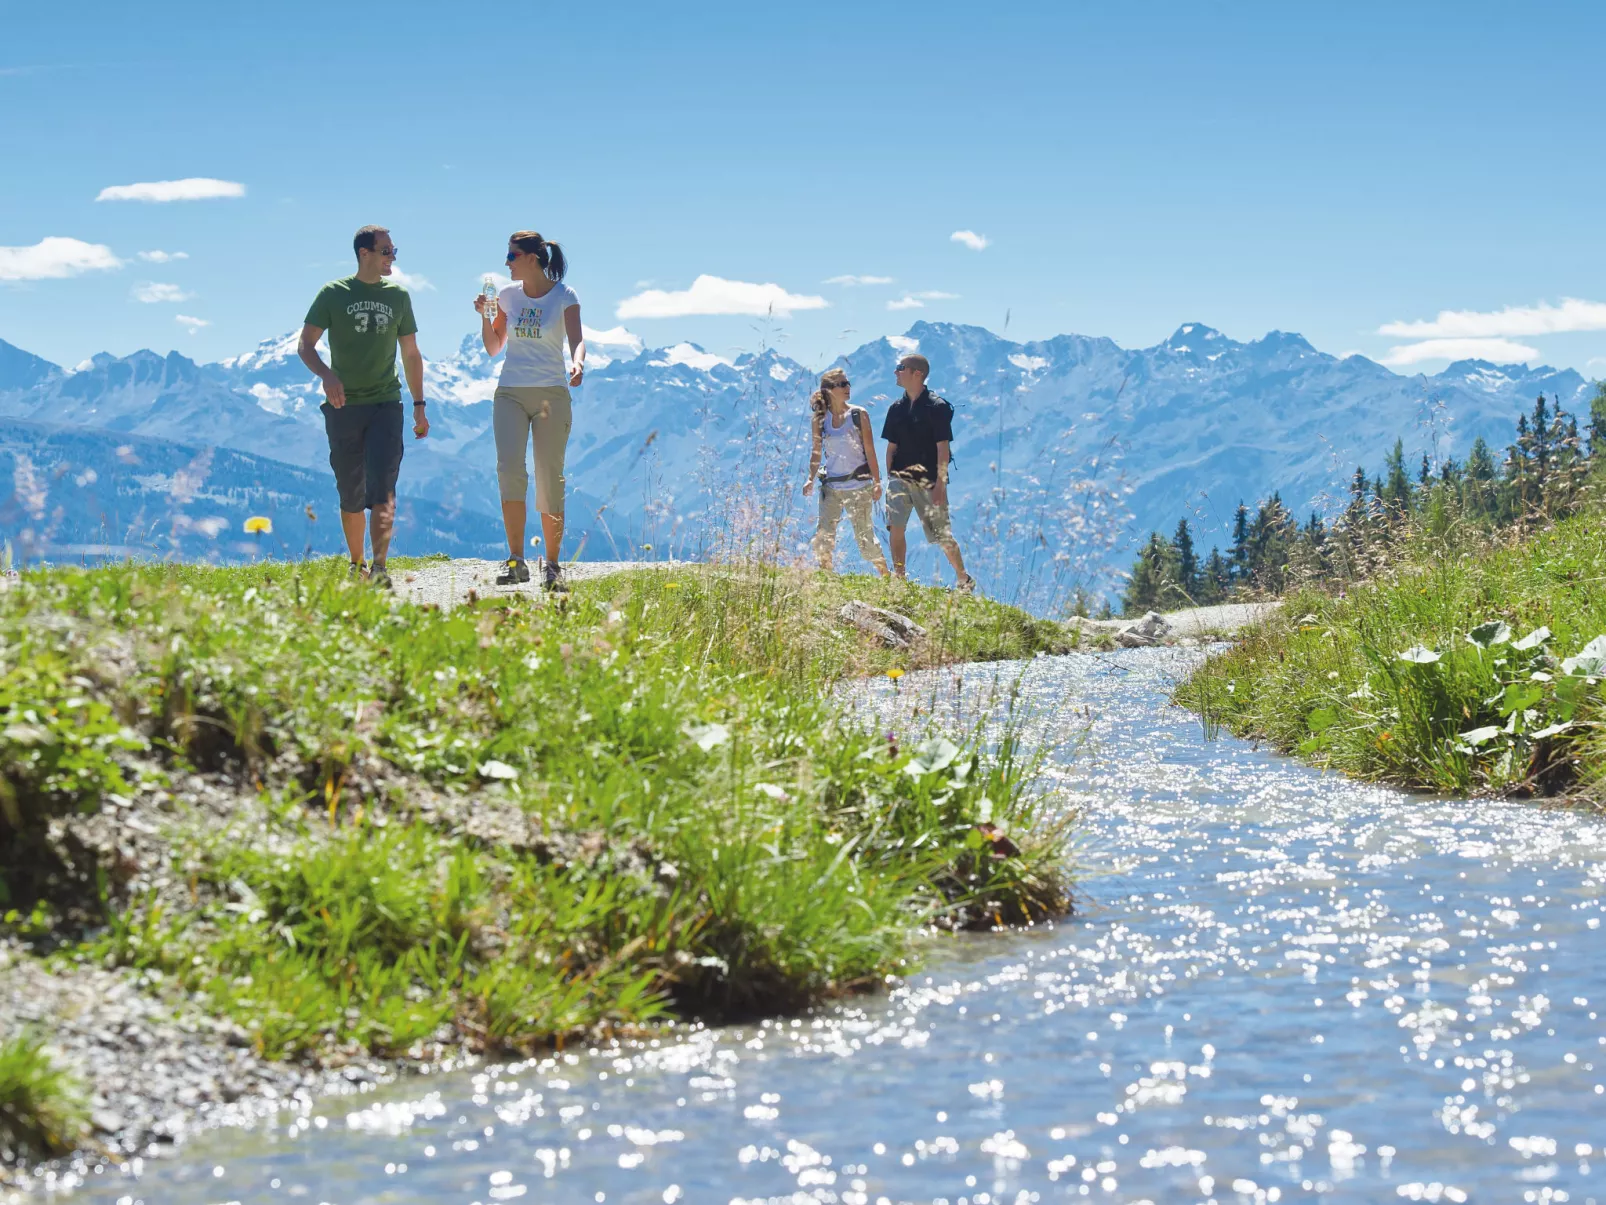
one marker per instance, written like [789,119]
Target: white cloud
[190,324]
[54,258]
[1501,351]
[917,301]
[715,295]
[851,281]
[1520,322]
[976,242]
[162,257]
[616,337]
[193,188]
[155,291]
[410,281]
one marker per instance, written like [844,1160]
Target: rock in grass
[1150,630]
[891,629]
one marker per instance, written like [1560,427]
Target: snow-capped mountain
[1065,449]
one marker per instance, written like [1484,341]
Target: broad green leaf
[1533,639]
[1322,719]
[1478,735]
[1419,655]
[935,754]
[709,736]
[1590,662]
[1486,635]
[1553,730]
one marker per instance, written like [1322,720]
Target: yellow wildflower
[258,525]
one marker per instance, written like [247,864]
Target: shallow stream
[1282,986]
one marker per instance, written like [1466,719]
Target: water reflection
[1287,987]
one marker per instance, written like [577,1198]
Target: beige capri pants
[516,410]
[857,502]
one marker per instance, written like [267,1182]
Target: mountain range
[1065,449]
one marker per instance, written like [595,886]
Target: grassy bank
[497,826]
[1458,671]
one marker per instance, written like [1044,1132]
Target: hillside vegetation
[1470,657]
[347,824]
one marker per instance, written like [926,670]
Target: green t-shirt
[364,321]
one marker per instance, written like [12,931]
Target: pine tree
[1187,562]
[1153,578]
[1395,491]
[1425,473]
[1597,420]
[1217,583]
[1240,544]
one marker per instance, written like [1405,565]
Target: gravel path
[448,584]
[1223,620]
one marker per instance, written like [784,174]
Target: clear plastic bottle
[488,290]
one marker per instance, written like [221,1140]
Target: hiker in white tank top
[844,462]
[532,395]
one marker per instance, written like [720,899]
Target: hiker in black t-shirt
[918,430]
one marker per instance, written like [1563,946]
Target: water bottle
[488,291]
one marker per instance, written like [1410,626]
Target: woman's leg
[825,532]
[510,425]
[860,512]
[552,419]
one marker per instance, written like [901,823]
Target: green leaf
[1590,662]
[1533,639]
[1486,635]
[1478,736]
[1419,655]
[1520,696]
[1321,719]
[935,754]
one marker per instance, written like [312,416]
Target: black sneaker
[552,578]
[378,578]
[513,572]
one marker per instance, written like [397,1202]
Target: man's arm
[307,349]
[413,366]
[939,487]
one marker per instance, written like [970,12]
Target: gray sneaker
[552,578]
[514,571]
[377,577]
[357,573]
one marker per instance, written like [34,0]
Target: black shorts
[365,451]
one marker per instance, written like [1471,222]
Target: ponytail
[549,255]
[830,379]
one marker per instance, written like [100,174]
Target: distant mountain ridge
[1069,446]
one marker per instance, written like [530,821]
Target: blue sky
[1347,172]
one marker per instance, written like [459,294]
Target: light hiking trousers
[857,503]
[516,410]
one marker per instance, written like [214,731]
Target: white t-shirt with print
[535,335]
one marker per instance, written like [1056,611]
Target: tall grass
[42,1108]
[1458,669]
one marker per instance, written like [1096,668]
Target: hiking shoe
[552,578]
[513,572]
[967,585]
[377,577]
[357,573]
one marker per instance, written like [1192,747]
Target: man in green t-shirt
[367,318]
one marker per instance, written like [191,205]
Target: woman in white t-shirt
[844,461]
[532,317]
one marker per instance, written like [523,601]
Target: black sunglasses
[839,384]
[392,252]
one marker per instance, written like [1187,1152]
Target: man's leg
[384,447]
[344,428]
[354,526]
[899,503]
[939,531]
[381,522]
